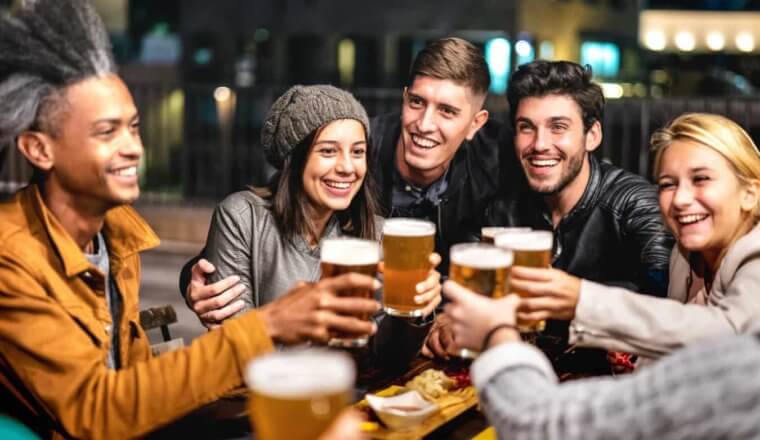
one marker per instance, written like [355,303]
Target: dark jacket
[473,181]
[614,235]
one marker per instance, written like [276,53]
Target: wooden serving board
[451,405]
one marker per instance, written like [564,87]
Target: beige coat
[620,320]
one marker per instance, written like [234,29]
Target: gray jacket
[244,240]
[618,320]
[706,391]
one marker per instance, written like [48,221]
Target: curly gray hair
[45,46]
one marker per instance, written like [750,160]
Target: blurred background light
[612,90]
[655,40]
[745,42]
[685,41]
[524,51]
[715,40]
[222,94]
[346,61]
[603,57]
[546,50]
[498,59]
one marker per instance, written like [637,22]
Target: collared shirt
[413,201]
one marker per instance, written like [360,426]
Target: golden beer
[297,394]
[344,255]
[531,249]
[482,268]
[407,245]
[488,233]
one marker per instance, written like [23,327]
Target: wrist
[500,333]
[265,313]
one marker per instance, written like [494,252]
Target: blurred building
[702,47]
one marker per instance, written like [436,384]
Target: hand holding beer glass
[407,245]
[531,249]
[482,268]
[297,394]
[344,255]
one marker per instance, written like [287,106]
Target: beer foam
[493,231]
[408,227]
[298,373]
[525,241]
[350,251]
[480,256]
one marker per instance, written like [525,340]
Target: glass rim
[482,247]
[272,374]
[535,240]
[426,227]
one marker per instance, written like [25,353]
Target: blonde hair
[719,133]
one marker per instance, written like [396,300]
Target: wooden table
[226,418]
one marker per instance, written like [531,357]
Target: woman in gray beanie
[316,137]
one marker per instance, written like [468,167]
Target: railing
[198,147]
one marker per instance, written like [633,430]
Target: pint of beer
[407,245]
[297,394]
[532,249]
[488,233]
[482,268]
[343,255]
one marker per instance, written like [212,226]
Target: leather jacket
[614,235]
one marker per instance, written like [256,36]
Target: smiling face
[552,145]
[97,148]
[436,117]
[336,166]
[703,202]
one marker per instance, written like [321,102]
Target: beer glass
[488,233]
[482,268]
[407,245]
[344,255]
[296,394]
[532,249]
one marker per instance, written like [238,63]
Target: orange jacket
[55,326]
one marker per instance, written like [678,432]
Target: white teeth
[337,185]
[690,218]
[544,162]
[422,142]
[126,172]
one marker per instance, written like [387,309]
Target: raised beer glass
[531,249]
[488,233]
[296,394]
[407,245]
[344,255]
[482,268]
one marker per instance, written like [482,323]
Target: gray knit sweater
[709,390]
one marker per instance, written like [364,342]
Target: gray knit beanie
[300,111]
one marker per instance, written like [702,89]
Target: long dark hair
[290,203]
